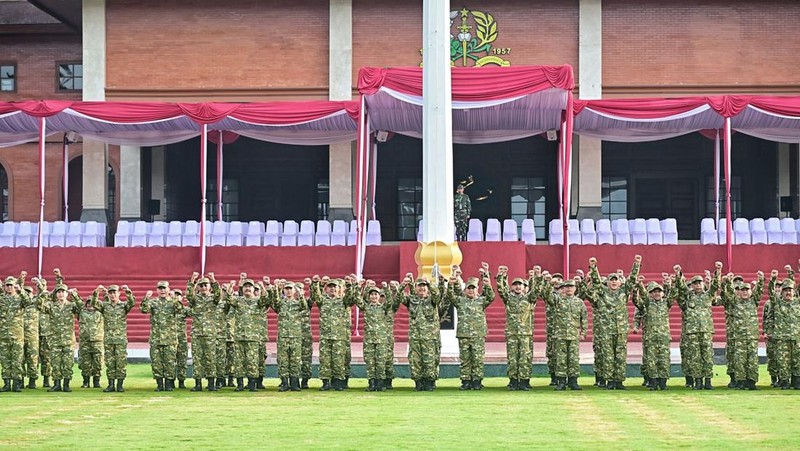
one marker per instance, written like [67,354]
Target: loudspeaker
[154,207]
[552,135]
[382,136]
[787,203]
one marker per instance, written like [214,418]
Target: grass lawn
[445,419]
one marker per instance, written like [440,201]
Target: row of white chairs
[237,233]
[54,234]
[753,231]
[617,231]
[508,231]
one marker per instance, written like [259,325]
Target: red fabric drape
[728,106]
[287,113]
[647,108]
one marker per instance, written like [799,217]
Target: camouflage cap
[334,282]
[423,281]
[567,283]
[557,275]
[248,282]
[289,285]
[28,289]
[460,186]
[472,282]
[788,284]
[203,280]
[11,280]
[654,286]
[113,288]
[162,284]
[737,278]
[613,276]
[741,285]
[519,280]
[696,279]
[61,287]
[374,290]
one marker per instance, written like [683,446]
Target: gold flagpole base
[437,252]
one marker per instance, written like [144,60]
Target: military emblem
[472,38]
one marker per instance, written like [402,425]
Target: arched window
[4,188]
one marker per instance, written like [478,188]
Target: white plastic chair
[556,232]
[255,233]
[722,231]
[46,228]
[339,233]
[157,235]
[138,236]
[174,234]
[351,234]
[8,234]
[774,232]
[74,232]
[25,235]
[289,236]
[419,231]
[493,232]
[219,230]
[788,231]
[588,232]
[741,231]
[638,231]
[475,230]
[191,233]
[305,237]
[122,237]
[669,231]
[374,233]
[604,233]
[510,230]
[235,235]
[528,231]
[622,233]
[797,228]
[323,234]
[272,235]
[758,231]
[654,235]
[89,236]
[574,232]
[58,234]
[708,233]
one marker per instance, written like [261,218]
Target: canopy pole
[219,177]
[716,179]
[374,176]
[363,200]
[203,181]
[42,143]
[65,176]
[728,218]
[567,139]
[565,168]
[359,177]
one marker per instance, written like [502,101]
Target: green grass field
[445,419]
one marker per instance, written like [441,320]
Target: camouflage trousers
[181,357]
[471,354]
[549,352]
[684,365]
[204,357]
[390,357]
[730,351]
[567,355]
[332,358]
[787,359]
[611,356]
[44,356]
[230,358]
[90,358]
[699,355]
[348,357]
[11,358]
[116,360]
[222,358]
[262,358]
[246,359]
[519,351]
[30,356]
[462,225]
[162,361]
[289,356]
[423,358]
[745,359]
[655,357]
[772,368]
[308,352]
[375,359]
[62,359]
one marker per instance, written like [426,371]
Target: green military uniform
[774,297]
[307,350]
[30,350]
[62,340]
[12,333]
[230,345]
[538,285]
[221,344]
[742,333]
[377,331]
[333,334]
[610,325]
[205,323]
[656,335]
[423,334]
[45,331]
[638,324]
[699,329]
[783,326]
[462,208]
[182,354]
[391,311]
[115,336]
[519,331]
[90,346]
[290,336]
[246,311]
[163,336]
[262,325]
[570,324]
[471,329]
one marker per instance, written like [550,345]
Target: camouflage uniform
[423,333]
[182,354]
[230,345]
[290,335]
[471,329]
[45,331]
[221,343]
[62,341]
[204,332]
[333,333]
[30,351]
[115,336]
[610,324]
[638,326]
[462,208]
[699,329]
[774,297]
[262,325]
[656,335]
[569,326]
[519,331]
[246,311]
[12,333]
[743,331]
[163,337]
[90,346]
[783,326]
[308,349]
[377,332]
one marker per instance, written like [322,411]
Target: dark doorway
[668,198]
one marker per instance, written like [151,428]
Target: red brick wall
[36,58]
[689,46]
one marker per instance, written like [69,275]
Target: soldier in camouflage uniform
[182,354]
[783,326]
[203,296]
[62,309]
[387,295]
[90,346]
[610,322]
[13,303]
[569,327]
[288,301]
[774,293]
[221,343]
[230,341]
[115,332]
[246,309]
[550,347]
[741,301]
[334,308]
[261,324]
[376,333]
[45,331]
[696,303]
[519,304]
[30,350]
[638,324]
[308,349]
[727,293]
[163,334]
[654,304]
[423,329]
[462,207]
[471,329]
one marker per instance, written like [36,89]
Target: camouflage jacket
[377,328]
[569,315]
[334,312]
[45,329]
[12,315]
[180,322]
[62,320]
[519,308]
[462,207]
[741,314]
[538,285]
[697,307]
[654,314]
[783,322]
[205,314]
[115,316]
[90,325]
[162,313]
[423,313]
[246,312]
[290,315]
[610,308]
[31,317]
[471,312]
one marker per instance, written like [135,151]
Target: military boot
[65,387]
[621,386]
[387,384]
[326,385]
[294,384]
[653,384]
[85,382]
[476,384]
[284,385]
[96,382]
[601,382]
[181,383]
[31,382]
[211,384]
[251,384]
[6,384]
[524,384]
[689,382]
[662,383]
[221,382]
[750,384]
[707,385]
[46,382]
[573,383]
[110,387]
[466,384]
[596,380]
[783,384]
[561,383]
[513,385]
[346,382]
[198,385]
[159,384]
[379,385]
[240,384]
[646,381]
[169,384]
[16,385]
[119,386]
[370,385]
[741,385]
[611,385]
[796,382]
[56,385]
[732,383]
[773,381]
[338,384]
[418,385]
[698,384]
[553,380]
[230,382]
[260,383]
[430,385]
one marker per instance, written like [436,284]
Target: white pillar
[590,83]
[340,82]
[130,183]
